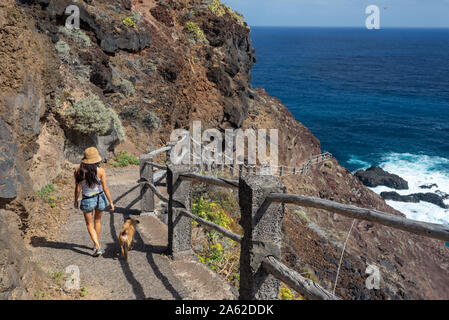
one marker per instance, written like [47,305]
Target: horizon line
[342,27]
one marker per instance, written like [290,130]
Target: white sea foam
[418,170]
[359,163]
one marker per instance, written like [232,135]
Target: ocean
[372,97]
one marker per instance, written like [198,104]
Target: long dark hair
[87,172]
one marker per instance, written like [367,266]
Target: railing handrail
[270,260]
[156,152]
[221,182]
[307,287]
[430,230]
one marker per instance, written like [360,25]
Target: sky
[343,13]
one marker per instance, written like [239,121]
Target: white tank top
[89,192]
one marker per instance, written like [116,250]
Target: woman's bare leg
[97,222]
[91,229]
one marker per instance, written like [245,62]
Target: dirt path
[147,274]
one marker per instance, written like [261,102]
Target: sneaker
[98,252]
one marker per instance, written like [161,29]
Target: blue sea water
[371,96]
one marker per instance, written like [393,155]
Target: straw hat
[91,156]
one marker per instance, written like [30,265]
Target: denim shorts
[99,202]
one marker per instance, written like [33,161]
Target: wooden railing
[261,200]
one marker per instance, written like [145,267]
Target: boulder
[432,198]
[429,186]
[376,176]
[101,76]
[442,194]
[415,198]
[77,143]
[397,197]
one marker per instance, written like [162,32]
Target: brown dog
[126,238]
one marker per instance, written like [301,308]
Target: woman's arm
[102,176]
[77,195]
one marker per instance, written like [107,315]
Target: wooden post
[179,226]
[262,223]
[168,153]
[146,194]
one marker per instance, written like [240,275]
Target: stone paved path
[147,274]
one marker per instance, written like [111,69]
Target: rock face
[9,175]
[376,176]
[76,144]
[416,197]
[20,278]
[111,37]
[27,79]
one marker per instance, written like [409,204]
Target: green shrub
[123,159]
[220,9]
[149,118]
[124,86]
[136,17]
[217,252]
[82,72]
[128,21]
[83,291]
[286,294]
[302,215]
[91,116]
[217,8]
[195,31]
[46,195]
[78,34]
[63,49]
[208,210]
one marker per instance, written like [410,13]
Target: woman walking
[90,181]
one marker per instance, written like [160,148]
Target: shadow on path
[42,242]
[114,247]
[113,251]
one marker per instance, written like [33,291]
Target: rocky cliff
[138,69]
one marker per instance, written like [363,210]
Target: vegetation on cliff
[91,116]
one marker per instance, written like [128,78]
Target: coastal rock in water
[429,186]
[442,194]
[432,198]
[376,176]
[415,198]
[397,197]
